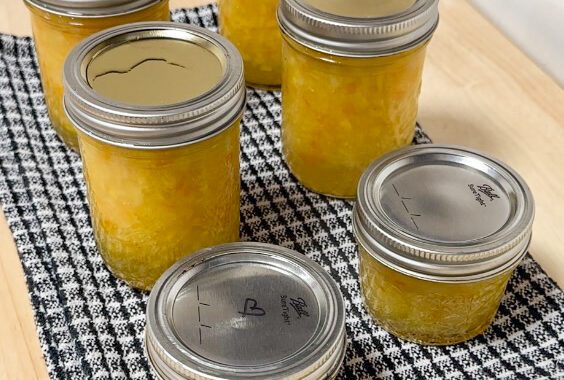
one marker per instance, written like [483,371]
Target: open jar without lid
[59,25]
[245,311]
[440,230]
[157,107]
[351,78]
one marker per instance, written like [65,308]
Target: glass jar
[251,25]
[157,107]
[59,25]
[350,84]
[209,317]
[440,230]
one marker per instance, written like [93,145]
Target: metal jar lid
[344,35]
[443,213]
[245,311]
[91,8]
[154,126]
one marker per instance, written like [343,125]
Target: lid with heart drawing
[245,311]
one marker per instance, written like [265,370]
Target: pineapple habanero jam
[59,25]
[440,231]
[350,84]
[157,107]
[251,25]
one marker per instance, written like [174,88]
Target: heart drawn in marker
[251,309]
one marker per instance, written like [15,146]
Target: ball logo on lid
[299,306]
[488,191]
[485,189]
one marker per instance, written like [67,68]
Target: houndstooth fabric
[91,325]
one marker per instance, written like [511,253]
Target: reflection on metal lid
[242,311]
[443,211]
[154,71]
[362,8]
[91,8]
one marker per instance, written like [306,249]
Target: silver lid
[91,8]
[358,36]
[245,311]
[443,213]
[151,126]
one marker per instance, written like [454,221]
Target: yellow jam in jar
[425,311]
[151,208]
[158,108]
[251,25]
[350,87]
[340,113]
[56,30]
[440,230]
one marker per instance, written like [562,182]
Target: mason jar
[246,311]
[350,84]
[157,109]
[59,25]
[440,230]
[251,25]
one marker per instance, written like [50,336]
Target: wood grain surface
[479,90]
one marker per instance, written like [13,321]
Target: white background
[535,26]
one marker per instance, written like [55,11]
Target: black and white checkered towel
[91,325]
